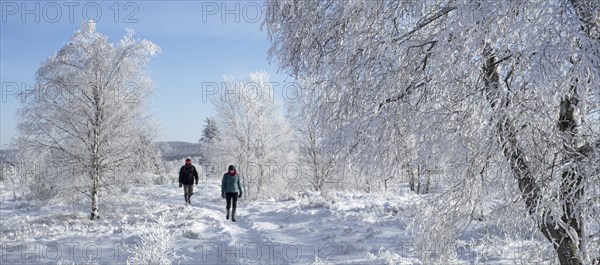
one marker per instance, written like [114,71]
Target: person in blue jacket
[231,190]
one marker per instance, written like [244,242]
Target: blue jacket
[231,184]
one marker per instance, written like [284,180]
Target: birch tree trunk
[563,233]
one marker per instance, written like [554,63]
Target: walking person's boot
[233,215]
[227,217]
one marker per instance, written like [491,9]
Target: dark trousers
[231,196]
[188,190]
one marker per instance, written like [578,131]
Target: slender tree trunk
[572,189]
[94,214]
[315,164]
[428,182]
[261,177]
[95,184]
[411,177]
[12,181]
[95,180]
[419,179]
[97,122]
[385,186]
[563,233]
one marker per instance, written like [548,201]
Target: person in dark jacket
[231,190]
[187,175]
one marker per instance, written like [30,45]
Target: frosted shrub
[156,246]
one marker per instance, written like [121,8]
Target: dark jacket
[187,175]
[231,184]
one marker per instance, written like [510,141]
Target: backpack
[188,171]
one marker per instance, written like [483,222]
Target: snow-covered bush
[9,175]
[157,245]
[386,256]
[312,199]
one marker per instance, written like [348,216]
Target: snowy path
[357,229]
[267,232]
[211,239]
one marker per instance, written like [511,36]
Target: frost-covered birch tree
[254,134]
[85,120]
[502,93]
[318,165]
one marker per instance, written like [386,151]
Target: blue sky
[200,41]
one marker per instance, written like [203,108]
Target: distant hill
[169,150]
[6,155]
[178,150]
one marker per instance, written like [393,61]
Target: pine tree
[209,140]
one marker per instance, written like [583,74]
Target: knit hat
[188,158]
[231,167]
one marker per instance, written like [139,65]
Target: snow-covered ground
[306,228]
